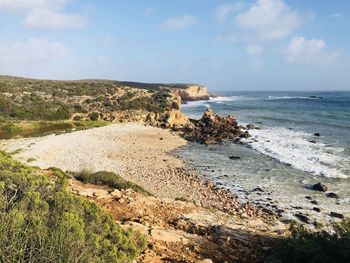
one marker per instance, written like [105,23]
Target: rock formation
[212,128]
[191,92]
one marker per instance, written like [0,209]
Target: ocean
[304,138]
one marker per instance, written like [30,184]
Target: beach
[139,153]
[187,217]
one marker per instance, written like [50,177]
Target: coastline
[139,153]
[188,218]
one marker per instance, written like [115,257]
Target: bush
[110,179]
[41,221]
[94,116]
[317,247]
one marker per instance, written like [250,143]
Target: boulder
[250,126]
[212,128]
[316,209]
[235,157]
[320,187]
[337,215]
[303,218]
[317,134]
[332,195]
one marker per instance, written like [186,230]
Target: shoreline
[139,153]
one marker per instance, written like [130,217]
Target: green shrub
[316,247]
[110,179]
[94,116]
[41,221]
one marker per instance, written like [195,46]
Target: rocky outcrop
[169,119]
[181,231]
[191,92]
[212,128]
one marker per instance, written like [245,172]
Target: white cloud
[224,39]
[223,11]
[31,57]
[175,23]
[269,19]
[46,14]
[313,51]
[29,4]
[253,50]
[49,19]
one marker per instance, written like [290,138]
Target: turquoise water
[288,121]
[283,157]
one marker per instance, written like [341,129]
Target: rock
[235,157]
[337,215]
[312,141]
[303,218]
[316,209]
[168,235]
[116,193]
[332,195]
[317,134]
[207,260]
[101,194]
[237,140]
[258,189]
[212,128]
[136,226]
[244,135]
[320,187]
[86,192]
[308,197]
[314,202]
[250,127]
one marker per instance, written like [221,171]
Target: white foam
[222,99]
[290,98]
[193,104]
[205,103]
[295,148]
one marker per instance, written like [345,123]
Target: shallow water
[284,157]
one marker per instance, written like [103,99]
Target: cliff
[190,92]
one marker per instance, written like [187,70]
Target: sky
[226,45]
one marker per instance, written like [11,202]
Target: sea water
[285,156]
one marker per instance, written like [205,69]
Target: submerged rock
[317,134]
[320,187]
[252,127]
[235,157]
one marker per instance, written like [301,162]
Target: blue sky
[226,45]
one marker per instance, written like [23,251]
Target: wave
[294,148]
[222,99]
[218,100]
[292,98]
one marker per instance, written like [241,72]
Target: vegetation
[110,179]
[46,100]
[317,247]
[41,221]
[12,129]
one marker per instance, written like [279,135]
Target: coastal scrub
[110,179]
[41,221]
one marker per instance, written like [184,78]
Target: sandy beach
[137,152]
